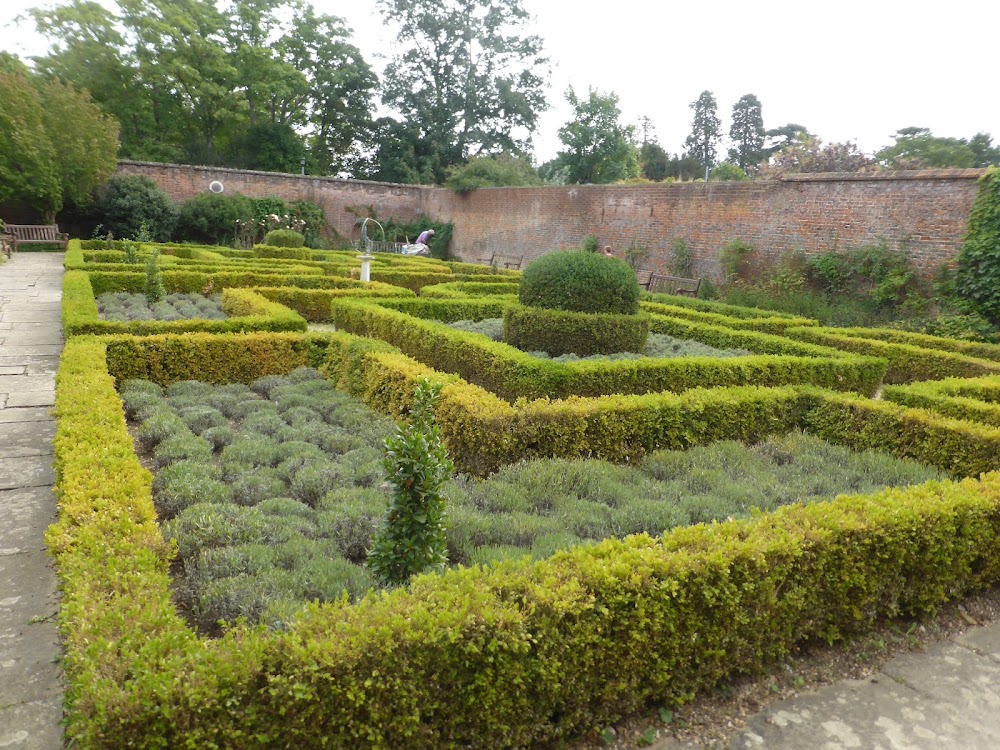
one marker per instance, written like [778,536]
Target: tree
[84,141]
[747,133]
[987,155]
[502,170]
[654,161]
[28,170]
[705,133]
[917,148]
[777,139]
[808,154]
[599,148]
[469,81]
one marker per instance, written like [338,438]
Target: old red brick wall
[924,212]
[339,198]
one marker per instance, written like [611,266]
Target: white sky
[847,71]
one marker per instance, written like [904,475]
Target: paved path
[945,698]
[30,344]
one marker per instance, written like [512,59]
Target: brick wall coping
[232,170]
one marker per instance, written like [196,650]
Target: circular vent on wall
[215,186]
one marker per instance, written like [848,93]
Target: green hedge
[447,310]
[557,332]
[480,270]
[467,289]
[512,373]
[314,304]
[210,283]
[925,341]
[907,363]
[710,306]
[285,253]
[975,400]
[520,654]
[776,325]
[247,311]
[414,280]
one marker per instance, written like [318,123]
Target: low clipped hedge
[542,650]
[512,373]
[907,363]
[974,399]
[211,283]
[447,310]
[926,341]
[480,270]
[285,253]
[776,325]
[711,306]
[558,332]
[247,311]
[314,304]
[467,289]
[414,280]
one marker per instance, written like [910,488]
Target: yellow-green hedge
[972,399]
[520,654]
[467,289]
[558,332]
[247,311]
[926,341]
[777,324]
[314,304]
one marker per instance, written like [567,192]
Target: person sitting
[607,251]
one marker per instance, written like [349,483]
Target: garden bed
[123,307]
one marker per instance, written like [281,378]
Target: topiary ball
[580,282]
[284,238]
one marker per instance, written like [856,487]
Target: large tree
[747,133]
[777,139]
[703,141]
[469,80]
[599,148]
[197,81]
[917,148]
[809,154]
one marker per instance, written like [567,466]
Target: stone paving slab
[21,439]
[30,316]
[31,471]
[26,383]
[20,351]
[29,398]
[32,726]
[26,414]
[42,336]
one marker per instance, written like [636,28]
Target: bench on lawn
[505,261]
[673,285]
[35,234]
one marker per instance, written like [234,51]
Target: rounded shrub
[209,218]
[130,202]
[284,238]
[580,282]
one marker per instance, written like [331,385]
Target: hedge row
[558,332]
[975,400]
[907,363]
[776,325]
[513,374]
[210,283]
[467,289]
[710,306]
[926,341]
[480,270]
[247,311]
[522,653]
[285,253]
[447,310]
[314,304]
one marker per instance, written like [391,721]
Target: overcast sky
[847,71]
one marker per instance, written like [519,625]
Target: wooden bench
[644,276]
[673,285]
[508,261]
[36,234]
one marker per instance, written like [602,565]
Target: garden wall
[924,211]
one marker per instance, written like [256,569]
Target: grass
[283,509]
[658,345]
[123,307]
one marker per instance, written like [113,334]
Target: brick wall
[336,196]
[924,212]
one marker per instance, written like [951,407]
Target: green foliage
[558,332]
[598,148]
[209,218]
[153,288]
[886,275]
[130,203]
[681,259]
[916,148]
[590,243]
[312,219]
[28,162]
[284,238]
[747,134]
[705,134]
[416,461]
[502,170]
[398,231]
[978,268]
[805,153]
[580,282]
[458,99]
[734,257]
[728,172]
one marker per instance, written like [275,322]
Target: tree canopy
[703,141]
[917,148]
[599,148]
[468,81]
[747,133]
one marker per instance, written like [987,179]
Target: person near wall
[422,245]
[607,251]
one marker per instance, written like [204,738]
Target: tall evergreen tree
[705,130]
[747,133]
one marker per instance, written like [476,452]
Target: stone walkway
[30,344]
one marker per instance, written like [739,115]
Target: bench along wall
[924,212]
